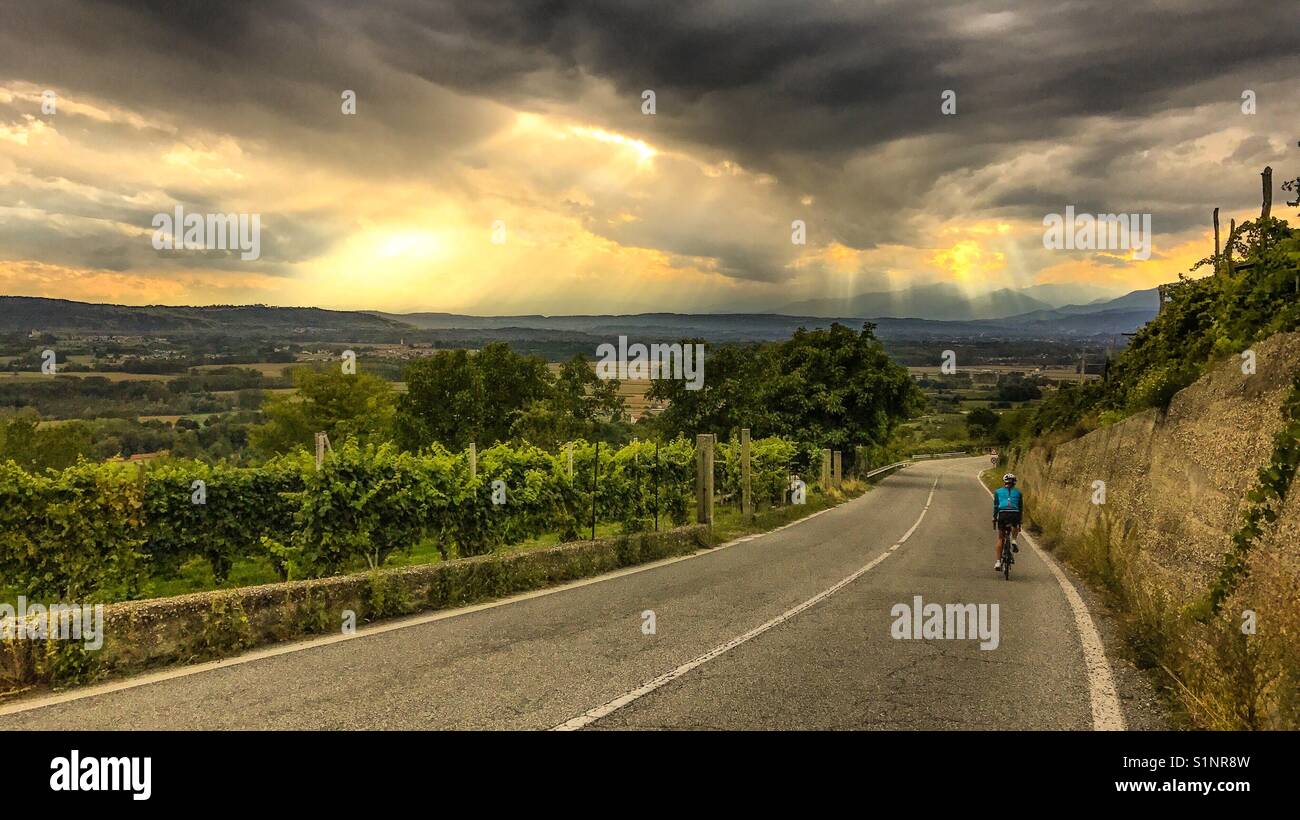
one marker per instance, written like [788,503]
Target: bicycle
[1007,552]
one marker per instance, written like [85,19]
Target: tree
[55,446]
[580,405]
[727,400]
[1015,387]
[455,397]
[578,392]
[511,382]
[444,402]
[832,387]
[251,399]
[981,422]
[343,405]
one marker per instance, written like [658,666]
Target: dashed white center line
[606,709]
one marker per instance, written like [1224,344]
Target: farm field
[111,376]
[1057,373]
[173,418]
[633,392]
[267,369]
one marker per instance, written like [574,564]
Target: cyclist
[1008,508]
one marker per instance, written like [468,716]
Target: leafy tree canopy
[455,397]
[832,387]
[342,405]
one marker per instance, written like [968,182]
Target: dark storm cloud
[269,71]
[802,90]
[757,80]
[812,77]
[821,95]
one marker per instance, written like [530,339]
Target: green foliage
[638,482]
[35,447]
[65,663]
[455,397]
[1015,387]
[580,393]
[100,531]
[834,388]
[772,461]
[358,405]
[1201,320]
[67,537]
[981,422]
[225,630]
[238,508]
[1064,408]
[579,405]
[367,501]
[1010,424]
[1275,479]
[310,616]
[68,397]
[222,378]
[539,496]
[385,598]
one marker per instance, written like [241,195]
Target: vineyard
[99,531]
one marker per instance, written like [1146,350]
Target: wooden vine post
[704,478]
[1218,250]
[746,488]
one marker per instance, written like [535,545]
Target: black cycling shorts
[1007,518]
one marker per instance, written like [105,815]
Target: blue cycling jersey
[1008,498]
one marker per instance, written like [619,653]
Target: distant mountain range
[1106,317]
[985,317]
[712,326]
[1069,294]
[1135,300]
[947,302]
[27,313]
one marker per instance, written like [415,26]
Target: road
[787,630]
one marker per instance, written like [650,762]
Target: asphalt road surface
[793,629]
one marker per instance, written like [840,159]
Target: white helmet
[1009,478]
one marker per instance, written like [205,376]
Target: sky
[501,160]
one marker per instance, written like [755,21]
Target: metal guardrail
[880,470]
[911,459]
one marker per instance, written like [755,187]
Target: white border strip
[1106,712]
[604,710]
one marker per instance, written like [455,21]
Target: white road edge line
[1106,712]
[26,705]
[604,710]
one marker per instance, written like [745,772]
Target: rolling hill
[20,314]
[25,314]
[1136,303]
[943,302]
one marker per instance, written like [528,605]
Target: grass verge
[1238,669]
